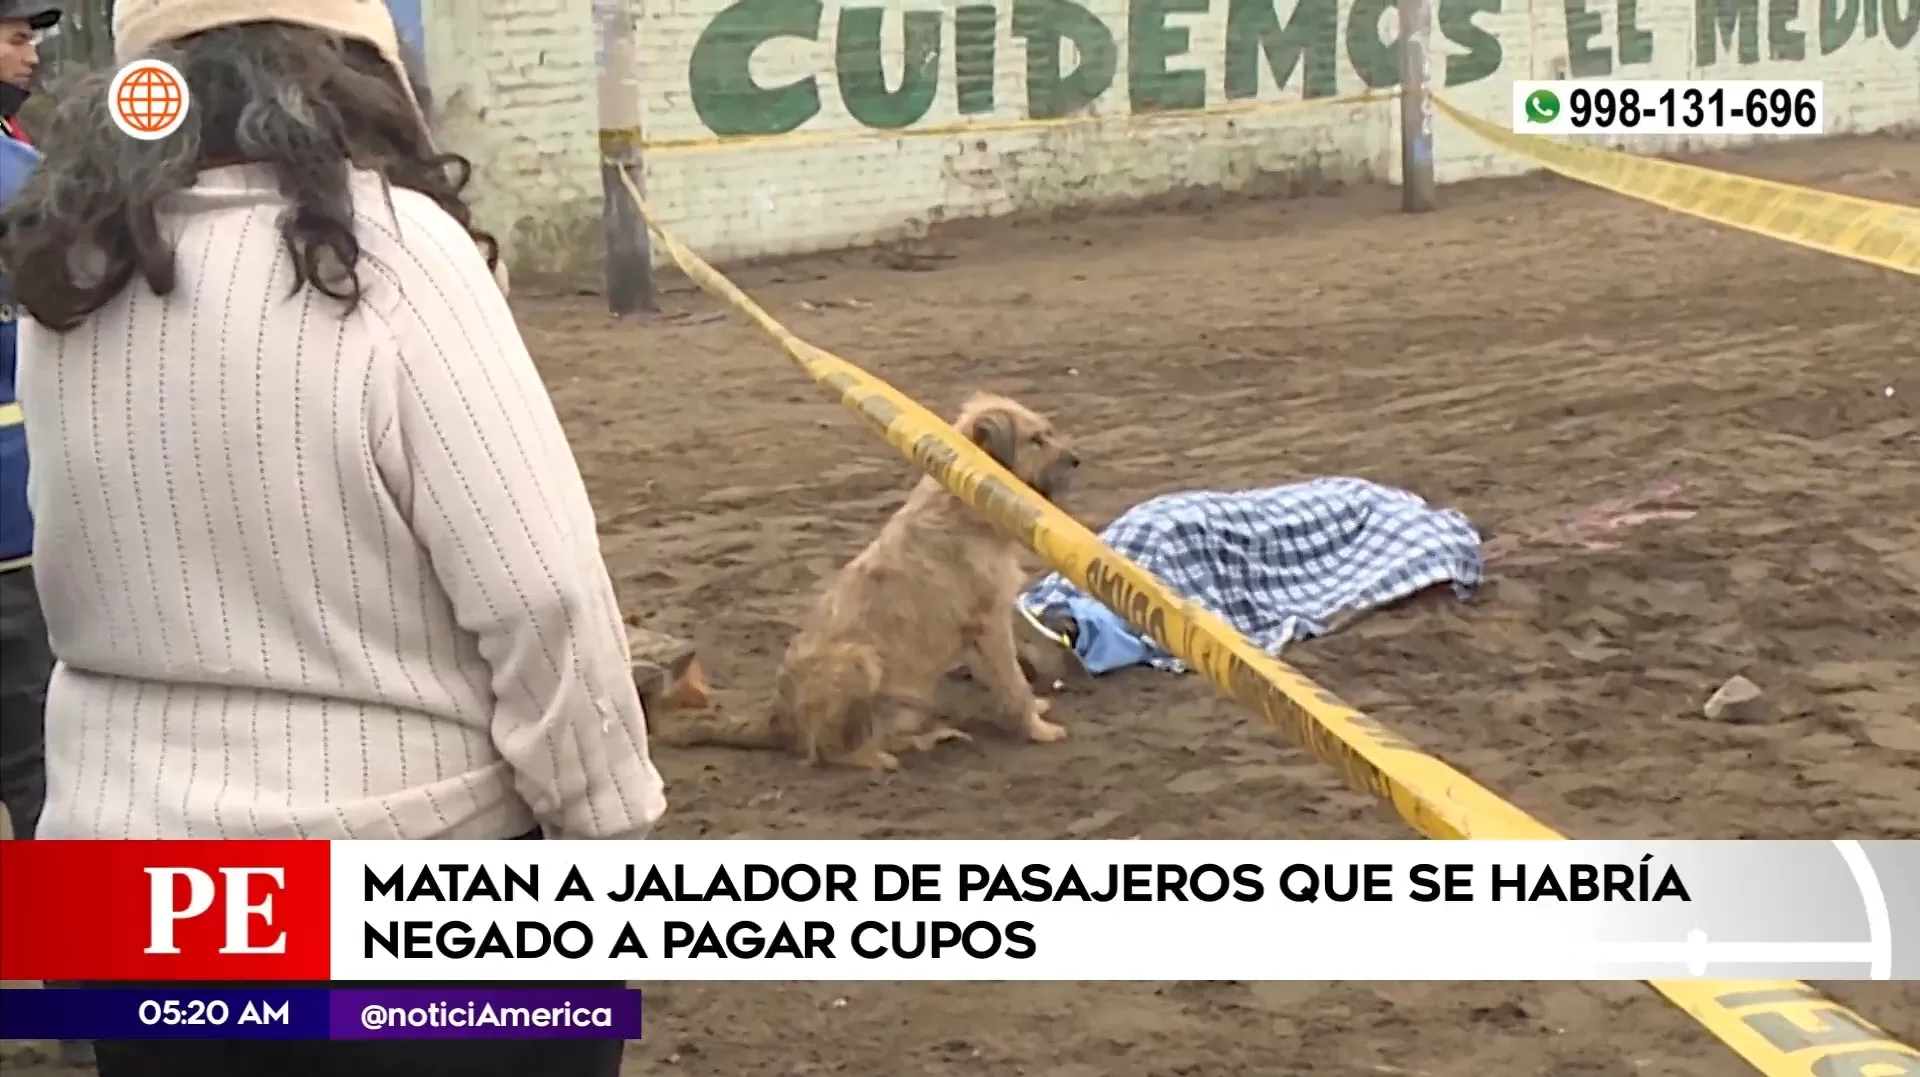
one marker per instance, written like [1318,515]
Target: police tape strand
[1859,229]
[1765,1022]
[1435,799]
[1775,1025]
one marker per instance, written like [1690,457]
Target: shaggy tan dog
[934,590]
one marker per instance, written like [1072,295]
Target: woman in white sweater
[315,557]
[312,546]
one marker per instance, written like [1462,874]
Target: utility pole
[1416,106]
[629,251]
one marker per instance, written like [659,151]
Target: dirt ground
[1531,347]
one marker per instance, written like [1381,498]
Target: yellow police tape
[1432,797]
[1878,233]
[1782,1027]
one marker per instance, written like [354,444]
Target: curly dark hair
[298,101]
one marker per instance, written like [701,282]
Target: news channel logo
[148,100]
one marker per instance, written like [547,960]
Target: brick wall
[1244,92]
[513,86]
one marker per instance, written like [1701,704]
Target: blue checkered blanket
[1278,564]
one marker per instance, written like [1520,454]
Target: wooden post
[1416,106]
[628,249]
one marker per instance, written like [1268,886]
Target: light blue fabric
[1278,564]
[1103,640]
[17,162]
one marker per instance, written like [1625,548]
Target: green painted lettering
[1636,45]
[1482,55]
[1151,87]
[863,82]
[1584,59]
[1045,24]
[1872,12]
[973,48]
[1254,30]
[1377,60]
[1785,41]
[1716,25]
[1307,39]
[1901,26]
[719,72]
[1837,23]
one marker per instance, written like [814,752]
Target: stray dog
[935,589]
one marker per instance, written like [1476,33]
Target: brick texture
[513,82]
[517,79]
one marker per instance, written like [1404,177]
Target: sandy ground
[1531,347]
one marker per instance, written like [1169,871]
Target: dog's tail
[824,706]
[829,698]
[751,732]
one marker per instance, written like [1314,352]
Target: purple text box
[454,1013]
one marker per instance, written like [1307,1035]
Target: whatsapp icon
[1543,106]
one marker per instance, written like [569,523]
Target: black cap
[35,13]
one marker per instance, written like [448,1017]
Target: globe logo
[148,100]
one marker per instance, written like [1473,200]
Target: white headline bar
[1085,910]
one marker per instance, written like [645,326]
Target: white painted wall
[513,86]
[515,79]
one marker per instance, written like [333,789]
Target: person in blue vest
[21,24]
[26,657]
[26,661]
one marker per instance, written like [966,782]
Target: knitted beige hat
[141,25]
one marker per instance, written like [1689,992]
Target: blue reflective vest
[17,161]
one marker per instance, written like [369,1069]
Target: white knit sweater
[318,574]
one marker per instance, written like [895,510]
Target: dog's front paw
[925,742]
[874,758]
[1039,730]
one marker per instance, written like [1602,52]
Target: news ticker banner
[158,1012]
[463,912]
[1669,107]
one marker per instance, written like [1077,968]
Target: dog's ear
[994,432]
